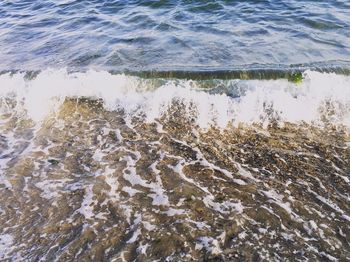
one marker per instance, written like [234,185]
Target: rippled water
[147,35]
[174,130]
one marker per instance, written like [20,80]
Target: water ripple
[144,35]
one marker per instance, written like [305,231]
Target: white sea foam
[261,99]
[210,244]
[87,204]
[6,245]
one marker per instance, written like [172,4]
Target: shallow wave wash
[96,166]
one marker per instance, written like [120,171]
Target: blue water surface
[162,35]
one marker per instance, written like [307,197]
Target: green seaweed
[53,161]
[296,77]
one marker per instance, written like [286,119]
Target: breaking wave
[318,99]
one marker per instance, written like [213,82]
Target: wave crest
[320,98]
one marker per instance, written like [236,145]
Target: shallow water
[174,130]
[111,167]
[86,185]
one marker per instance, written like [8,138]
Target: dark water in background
[237,148]
[165,35]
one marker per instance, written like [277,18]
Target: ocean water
[144,35]
[174,130]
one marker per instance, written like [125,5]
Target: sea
[174,130]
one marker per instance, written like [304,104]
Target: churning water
[174,130]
